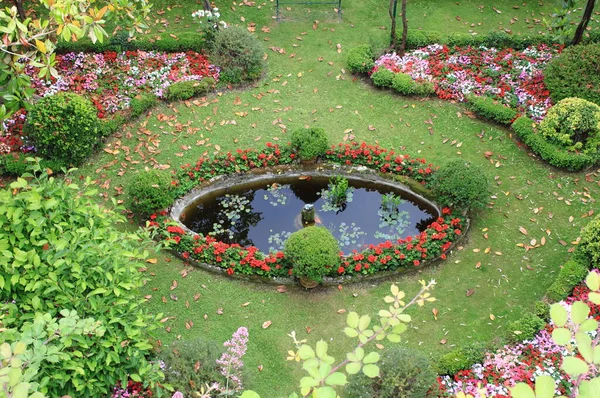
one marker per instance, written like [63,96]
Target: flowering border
[403,254]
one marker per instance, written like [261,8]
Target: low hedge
[461,358]
[552,154]
[570,275]
[360,59]
[490,109]
[498,39]
[187,89]
[524,328]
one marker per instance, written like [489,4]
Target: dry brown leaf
[266,324]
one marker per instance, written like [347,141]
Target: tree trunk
[404,28]
[206,5]
[20,9]
[585,19]
[392,12]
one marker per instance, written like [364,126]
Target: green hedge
[360,59]
[422,38]
[461,358]
[490,109]
[570,275]
[552,154]
[524,328]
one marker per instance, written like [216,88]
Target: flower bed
[515,78]
[518,363]
[111,80]
[410,252]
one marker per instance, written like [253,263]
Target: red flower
[229,271]
[416,263]
[341,270]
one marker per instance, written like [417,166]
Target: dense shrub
[238,53]
[542,310]
[490,109]
[404,84]
[309,143]
[575,73]
[422,38]
[461,185]
[188,89]
[569,276]
[312,251]
[589,246]
[524,328]
[15,164]
[553,154]
[61,252]
[383,77]
[574,124]
[150,191]
[360,59]
[63,127]
[403,373]
[461,358]
[190,365]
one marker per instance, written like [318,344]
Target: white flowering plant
[210,22]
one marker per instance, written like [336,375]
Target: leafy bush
[191,364]
[462,185]
[424,89]
[525,328]
[487,108]
[575,73]
[309,143]
[422,38]
[542,310]
[15,164]
[574,124]
[238,53]
[188,89]
[383,77]
[312,251]
[185,41]
[569,276]
[404,84]
[62,253]
[461,358]
[63,127]
[589,246]
[553,154]
[150,191]
[360,59]
[403,373]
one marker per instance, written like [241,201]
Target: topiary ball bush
[360,59]
[383,77]
[238,53]
[574,124]
[312,251]
[150,191]
[461,185]
[403,373]
[309,143]
[190,365]
[575,73]
[63,127]
[589,245]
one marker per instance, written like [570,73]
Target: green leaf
[350,332]
[371,371]
[558,313]
[588,325]
[353,368]
[306,352]
[308,382]
[352,320]
[574,366]
[544,387]
[385,314]
[364,322]
[579,312]
[404,318]
[593,281]
[321,348]
[394,338]
[21,390]
[594,297]
[584,346]
[251,394]
[325,392]
[561,336]
[135,377]
[522,390]
[372,357]
[336,379]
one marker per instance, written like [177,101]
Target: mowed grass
[306,84]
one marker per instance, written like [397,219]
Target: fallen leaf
[492,317]
[435,313]
[341,311]
[523,230]
[443,341]
[152,260]
[247,303]
[266,324]
[470,292]
[281,289]
[220,311]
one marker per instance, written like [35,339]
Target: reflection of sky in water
[275,213]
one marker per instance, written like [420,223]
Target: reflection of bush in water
[308,192]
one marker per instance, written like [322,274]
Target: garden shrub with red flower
[407,253]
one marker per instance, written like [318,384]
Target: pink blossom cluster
[231,361]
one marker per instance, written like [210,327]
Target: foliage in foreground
[60,251]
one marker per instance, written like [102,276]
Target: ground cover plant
[305,76]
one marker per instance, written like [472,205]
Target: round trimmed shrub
[589,246]
[238,54]
[461,358]
[309,143]
[187,89]
[190,365]
[527,327]
[360,59]
[403,373]
[573,123]
[150,191]
[63,127]
[575,73]
[312,251]
[461,185]
[383,77]
[404,84]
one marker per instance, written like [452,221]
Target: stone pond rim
[357,173]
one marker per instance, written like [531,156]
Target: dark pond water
[265,213]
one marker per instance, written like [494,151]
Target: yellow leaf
[40,46]
[152,260]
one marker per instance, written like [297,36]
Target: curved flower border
[409,253]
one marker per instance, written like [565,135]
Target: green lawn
[306,84]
